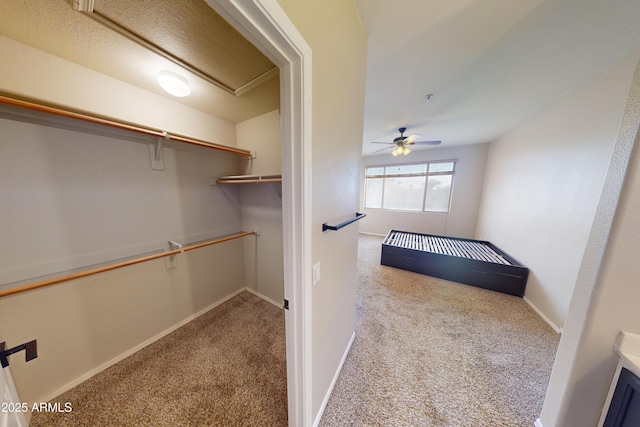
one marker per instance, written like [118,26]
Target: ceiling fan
[400,143]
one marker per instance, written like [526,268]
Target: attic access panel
[193,33]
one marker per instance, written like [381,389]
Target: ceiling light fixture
[174,84]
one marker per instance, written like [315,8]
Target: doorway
[265,24]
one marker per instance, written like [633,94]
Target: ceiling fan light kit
[400,150]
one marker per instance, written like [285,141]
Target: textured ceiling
[489,64]
[189,30]
[192,32]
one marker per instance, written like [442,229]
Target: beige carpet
[226,368]
[434,353]
[427,353]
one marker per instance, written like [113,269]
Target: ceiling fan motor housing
[401,138]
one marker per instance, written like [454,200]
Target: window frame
[426,176]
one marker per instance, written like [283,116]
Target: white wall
[261,135]
[462,217]
[605,301]
[84,325]
[543,183]
[32,73]
[333,31]
[261,207]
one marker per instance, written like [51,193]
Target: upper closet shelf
[120,125]
[248,179]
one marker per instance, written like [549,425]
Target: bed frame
[472,262]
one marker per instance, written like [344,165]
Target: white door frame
[264,23]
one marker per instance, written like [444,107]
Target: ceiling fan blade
[377,151]
[410,138]
[424,143]
[376,142]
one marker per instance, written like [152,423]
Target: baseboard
[538,423]
[541,314]
[264,297]
[333,381]
[372,234]
[137,348]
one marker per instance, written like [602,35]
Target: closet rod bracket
[172,247]
[155,151]
[170,261]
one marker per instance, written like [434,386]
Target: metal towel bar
[358,216]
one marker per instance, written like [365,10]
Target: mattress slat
[442,245]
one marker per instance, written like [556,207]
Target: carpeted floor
[427,353]
[434,353]
[225,368]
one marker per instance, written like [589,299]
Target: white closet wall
[261,207]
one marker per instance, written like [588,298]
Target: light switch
[316,273]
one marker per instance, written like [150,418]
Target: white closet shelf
[43,108]
[248,179]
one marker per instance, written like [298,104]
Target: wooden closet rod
[91,272]
[248,181]
[139,129]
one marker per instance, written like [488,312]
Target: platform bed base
[472,262]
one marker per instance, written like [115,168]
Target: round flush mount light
[174,84]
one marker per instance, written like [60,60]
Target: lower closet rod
[86,273]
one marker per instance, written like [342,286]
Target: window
[412,187]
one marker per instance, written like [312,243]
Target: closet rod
[86,273]
[120,125]
[248,181]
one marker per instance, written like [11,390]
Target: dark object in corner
[472,262]
[624,410]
